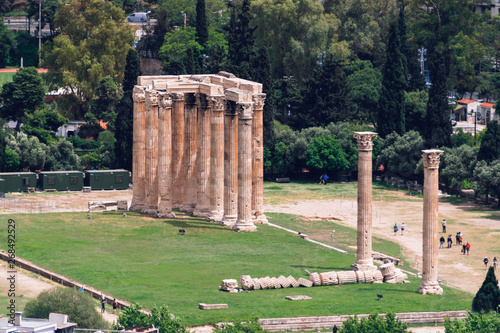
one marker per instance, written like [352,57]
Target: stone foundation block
[204,306]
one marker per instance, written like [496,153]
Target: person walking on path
[441,242]
[444,226]
[467,247]
[460,237]
[115,304]
[457,237]
[103,303]
[396,228]
[485,260]
[402,229]
[321,179]
[450,241]
[495,263]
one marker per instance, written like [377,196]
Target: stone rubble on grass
[229,285]
[305,283]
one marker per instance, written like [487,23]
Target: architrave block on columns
[217,159]
[203,156]
[429,283]
[230,165]
[364,260]
[165,156]
[151,203]
[258,160]
[245,154]
[139,141]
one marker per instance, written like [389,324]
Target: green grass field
[5,78]
[145,260]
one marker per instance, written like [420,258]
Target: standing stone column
[139,141]
[165,156]
[190,153]
[230,165]
[178,126]
[203,158]
[245,222]
[258,159]
[151,203]
[429,284]
[217,159]
[364,261]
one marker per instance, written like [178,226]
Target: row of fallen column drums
[388,274]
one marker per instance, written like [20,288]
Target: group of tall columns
[198,147]
[364,260]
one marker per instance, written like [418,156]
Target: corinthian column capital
[432,158]
[165,100]
[139,94]
[152,97]
[365,140]
[245,110]
[258,100]
[218,102]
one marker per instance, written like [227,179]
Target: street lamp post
[40,31]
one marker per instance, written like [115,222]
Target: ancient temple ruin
[198,147]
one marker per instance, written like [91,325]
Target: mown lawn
[5,78]
[145,260]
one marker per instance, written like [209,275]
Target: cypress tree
[488,296]
[490,143]
[241,42]
[438,129]
[404,44]
[125,113]
[201,23]
[391,103]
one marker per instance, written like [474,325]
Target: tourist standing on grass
[396,228]
[485,260]
[467,247]
[441,242]
[402,229]
[444,226]
[495,263]
[321,179]
[325,178]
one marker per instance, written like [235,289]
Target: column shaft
[165,156]
[217,159]
[151,204]
[244,221]
[258,160]
[364,259]
[230,165]
[203,158]
[429,284]
[190,149]
[178,133]
[139,142]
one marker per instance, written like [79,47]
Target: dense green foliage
[8,45]
[79,307]
[475,322]
[160,317]
[488,296]
[251,326]
[490,143]
[374,324]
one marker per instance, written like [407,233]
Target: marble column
[245,221]
[165,156]
[178,133]
[258,160]
[203,158]
[139,140]
[151,154]
[364,261]
[217,159]
[230,165]
[190,153]
[429,284]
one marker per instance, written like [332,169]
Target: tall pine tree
[201,23]
[391,103]
[125,112]
[438,129]
[488,296]
[241,42]
[490,143]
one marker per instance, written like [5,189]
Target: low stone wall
[326,322]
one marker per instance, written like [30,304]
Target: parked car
[138,17]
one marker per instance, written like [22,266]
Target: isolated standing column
[139,141]
[364,261]
[165,156]
[217,159]
[258,160]
[230,165]
[245,221]
[151,204]
[429,284]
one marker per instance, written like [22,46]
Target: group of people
[396,229]
[323,179]
[458,240]
[103,303]
[495,262]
